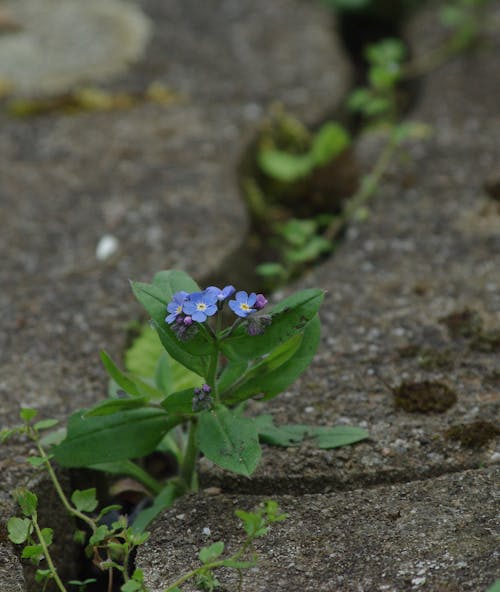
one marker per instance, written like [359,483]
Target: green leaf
[115,405]
[147,358]
[47,535]
[27,414]
[289,317]
[331,140]
[142,356]
[162,501]
[171,376]
[180,403]
[99,535]
[212,552]
[45,424]
[84,499]
[27,501]
[271,270]
[33,552]
[118,376]
[52,438]
[35,461]
[283,166]
[286,435]
[253,522]
[277,380]
[41,575]
[297,232]
[193,353]
[19,529]
[311,251]
[6,433]
[337,436]
[250,382]
[231,373]
[172,281]
[495,587]
[228,440]
[79,536]
[122,435]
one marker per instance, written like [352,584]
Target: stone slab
[435,535]
[429,249]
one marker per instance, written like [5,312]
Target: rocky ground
[412,508]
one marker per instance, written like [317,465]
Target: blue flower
[226,292]
[175,306]
[243,305]
[200,305]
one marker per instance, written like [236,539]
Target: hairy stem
[188,466]
[62,496]
[47,555]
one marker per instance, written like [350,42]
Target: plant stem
[46,553]
[62,496]
[369,185]
[212,371]
[188,465]
[210,566]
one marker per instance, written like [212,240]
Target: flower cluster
[185,308]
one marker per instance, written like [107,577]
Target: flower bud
[260,302]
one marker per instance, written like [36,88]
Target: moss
[473,435]
[466,323]
[424,397]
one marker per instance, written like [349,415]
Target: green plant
[328,143]
[298,242]
[378,101]
[110,546]
[255,354]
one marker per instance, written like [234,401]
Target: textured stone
[58,43]
[435,535]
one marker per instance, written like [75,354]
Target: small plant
[110,544]
[224,350]
[255,525]
[299,243]
[328,143]
[379,101]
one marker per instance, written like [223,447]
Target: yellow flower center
[201,306]
[244,306]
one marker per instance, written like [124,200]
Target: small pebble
[106,247]
[206,531]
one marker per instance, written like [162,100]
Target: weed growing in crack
[231,351]
[110,544]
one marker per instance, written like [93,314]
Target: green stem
[212,371]
[368,187]
[47,555]
[188,466]
[210,566]
[62,496]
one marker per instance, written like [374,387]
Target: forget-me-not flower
[243,304]
[226,292]
[175,306]
[200,305]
